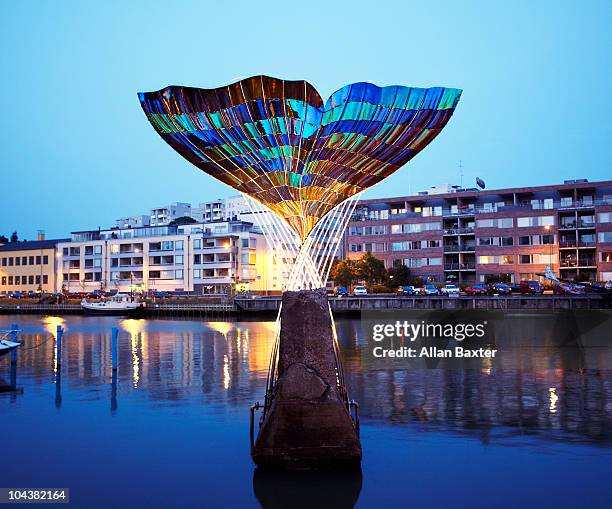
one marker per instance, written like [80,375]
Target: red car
[477,290]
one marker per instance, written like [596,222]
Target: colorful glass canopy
[276,140]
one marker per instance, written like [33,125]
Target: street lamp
[548,228]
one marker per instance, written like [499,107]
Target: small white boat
[118,304]
[6,346]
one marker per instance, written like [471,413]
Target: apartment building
[28,266]
[199,258]
[468,235]
[161,216]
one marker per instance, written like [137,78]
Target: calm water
[536,434]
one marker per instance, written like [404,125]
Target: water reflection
[305,490]
[548,390]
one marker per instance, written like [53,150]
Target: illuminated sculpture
[301,164]
[277,142]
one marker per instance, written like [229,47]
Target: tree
[399,276]
[371,269]
[344,273]
[3,239]
[14,237]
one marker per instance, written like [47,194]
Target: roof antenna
[460,173]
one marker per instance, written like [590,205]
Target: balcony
[459,249]
[459,231]
[460,266]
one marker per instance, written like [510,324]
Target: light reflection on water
[184,388]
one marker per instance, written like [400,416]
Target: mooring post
[14,329]
[58,345]
[114,348]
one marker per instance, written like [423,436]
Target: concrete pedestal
[308,424]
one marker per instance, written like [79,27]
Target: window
[524,258]
[523,222]
[178,245]
[30,280]
[45,279]
[497,259]
[178,260]
[197,258]
[38,279]
[3,280]
[97,262]
[606,257]
[414,227]
[197,274]
[244,243]
[603,237]
[10,280]
[18,280]
[167,245]
[73,277]
[501,222]
[17,260]
[114,249]
[31,260]
[4,262]
[10,261]
[88,250]
[178,274]
[605,217]
[197,243]
[45,259]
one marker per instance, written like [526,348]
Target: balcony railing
[458,231]
[456,249]
[459,266]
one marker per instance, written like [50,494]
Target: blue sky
[77,151]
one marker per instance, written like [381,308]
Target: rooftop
[31,244]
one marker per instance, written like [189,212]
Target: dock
[245,307]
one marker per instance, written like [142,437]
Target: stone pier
[308,424]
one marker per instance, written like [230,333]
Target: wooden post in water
[58,345]
[114,348]
[14,329]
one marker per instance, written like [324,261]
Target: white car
[608,285]
[360,290]
[450,290]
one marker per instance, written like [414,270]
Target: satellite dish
[480,183]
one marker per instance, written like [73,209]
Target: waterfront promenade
[341,305]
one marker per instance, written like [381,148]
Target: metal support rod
[114,348]
[58,346]
[354,404]
[14,329]
[254,407]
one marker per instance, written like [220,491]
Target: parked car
[407,290]
[450,290]
[608,285]
[430,289]
[567,288]
[479,289]
[161,295]
[500,289]
[17,295]
[358,291]
[514,288]
[532,287]
[341,291]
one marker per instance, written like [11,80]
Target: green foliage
[3,239]
[344,273]
[371,270]
[399,276]
[14,237]
[379,289]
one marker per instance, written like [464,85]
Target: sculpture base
[308,424]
